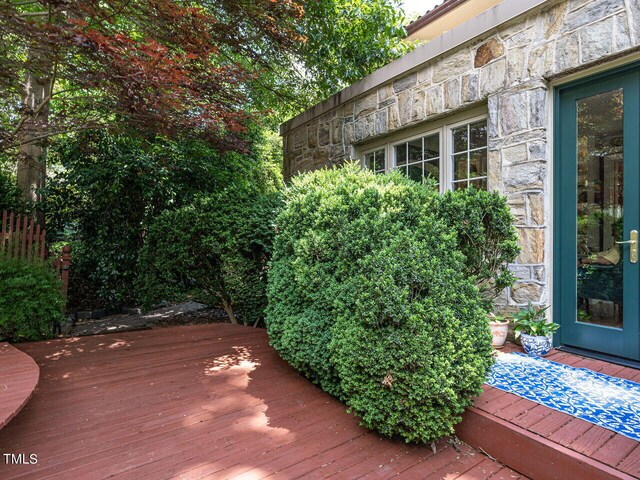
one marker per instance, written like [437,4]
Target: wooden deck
[18,379]
[576,448]
[209,401]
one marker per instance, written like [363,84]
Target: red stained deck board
[631,464]
[147,405]
[607,447]
[19,376]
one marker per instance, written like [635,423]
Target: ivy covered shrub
[369,298]
[215,251]
[485,235]
[30,300]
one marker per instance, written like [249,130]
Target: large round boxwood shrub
[368,297]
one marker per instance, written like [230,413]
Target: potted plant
[534,331]
[499,329]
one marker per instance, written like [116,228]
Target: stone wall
[507,70]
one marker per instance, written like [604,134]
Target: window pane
[478,135]
[432,169]
[368,161]
[460,142]
[460,166]
[478,164]
[480,184]
[379,161]
[460,185]
[401,154]
[415,172]
[432,146]
[415,150]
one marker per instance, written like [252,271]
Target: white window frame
[364,153]
[449,133]
[445,135]
[392,146]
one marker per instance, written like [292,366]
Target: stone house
[540,100]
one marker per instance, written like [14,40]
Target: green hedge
[369,297]
[215,251]
[30,300]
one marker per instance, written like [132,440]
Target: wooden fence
[22,237]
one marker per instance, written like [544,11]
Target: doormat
[610,402]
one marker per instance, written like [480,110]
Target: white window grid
[446,179]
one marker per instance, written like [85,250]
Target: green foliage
[369,298]
[30,300]
[486,236]
[215,251]
[9,192]
[107,189]
[532,320]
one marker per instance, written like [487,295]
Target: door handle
[633,242]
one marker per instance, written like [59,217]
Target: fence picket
[22,237]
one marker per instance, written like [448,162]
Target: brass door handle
[633,242]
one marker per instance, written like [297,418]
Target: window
[469,155]
[454,155]
[419,157]
[375,161]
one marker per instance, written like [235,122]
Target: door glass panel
[600,209]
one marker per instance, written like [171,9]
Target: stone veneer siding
[508,70]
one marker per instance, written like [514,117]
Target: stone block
[516,65]
[405,104]
[513,112]
[520,272]
[493,77]
[524,176]
[536,210]
[470,88]
[567,53]
[634,21]
[424,75]
[394,117]
[452,94]
[492,117]
[405,83]
[541,61]
[417,109]
[537,100]
[385,92]
[622,35]
[518,206]
[487,52]
[366,105]
[537,150]
[523,292]
[299,138]
[591,12]
[312,136]
[539,273]
[434,100]
[494,170]
[452,65]
[381,122]
[596,40]
[515,154]
[349,133]
[336,130]
[324,132]
[532,245]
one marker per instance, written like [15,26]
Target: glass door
[597,197]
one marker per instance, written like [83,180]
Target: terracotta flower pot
[499,331]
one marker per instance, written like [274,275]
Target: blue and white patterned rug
[610,402]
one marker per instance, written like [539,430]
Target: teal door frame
[613,341]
